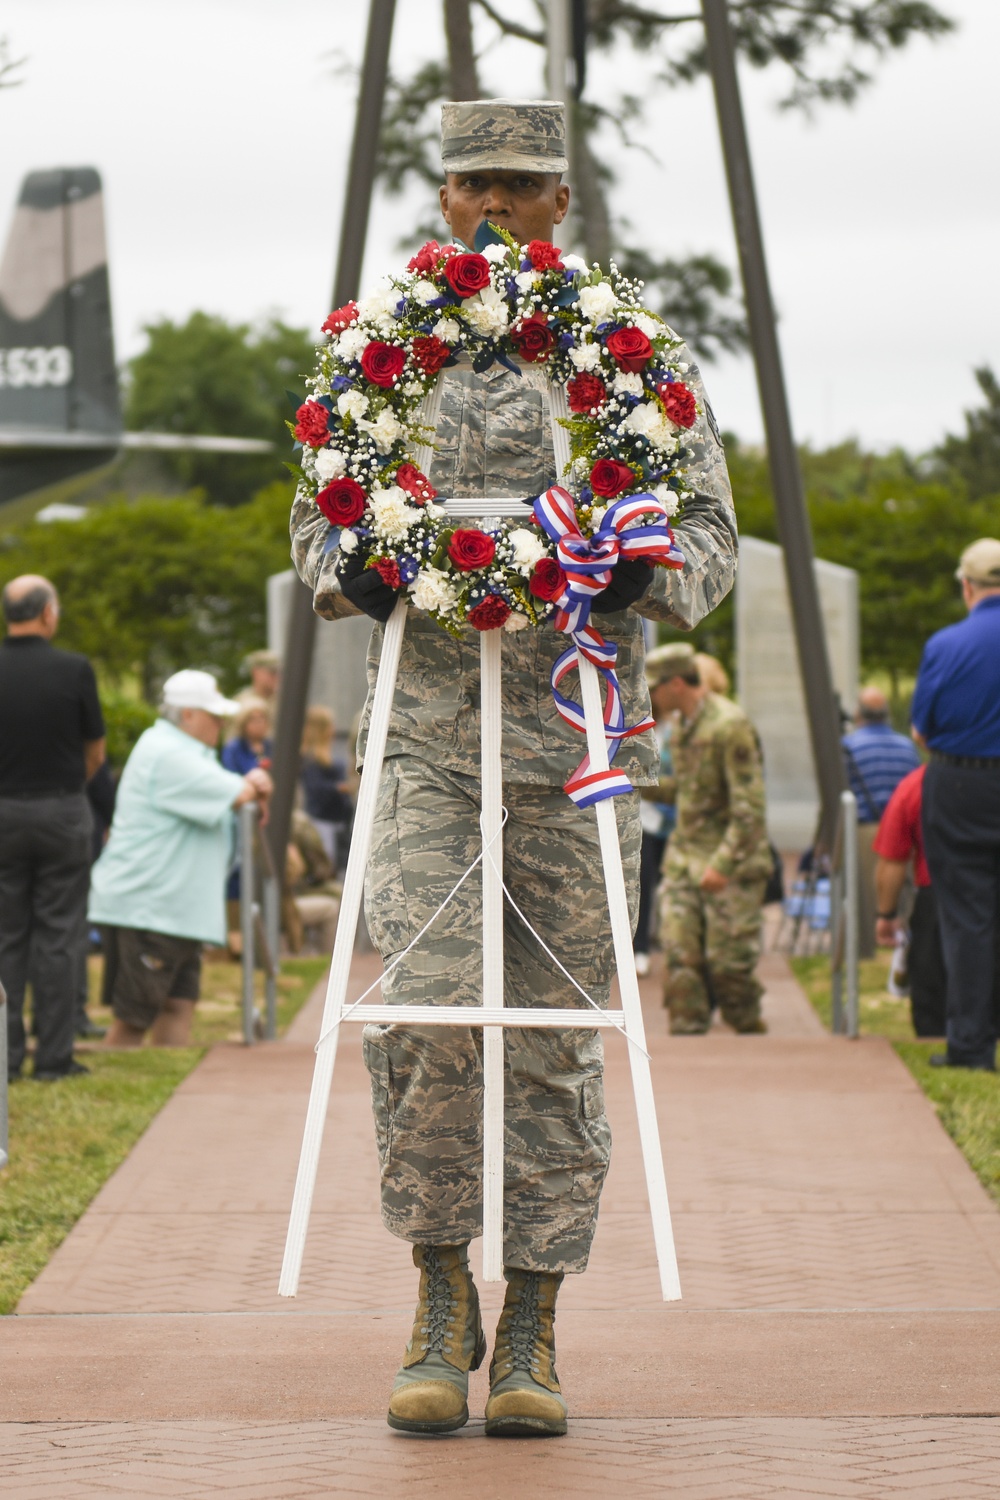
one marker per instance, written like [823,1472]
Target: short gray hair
[171,713]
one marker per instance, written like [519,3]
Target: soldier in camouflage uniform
[503,162]
[718,858]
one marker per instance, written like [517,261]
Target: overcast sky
[221,126]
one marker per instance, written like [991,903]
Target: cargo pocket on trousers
[588,1178]
[377,1064]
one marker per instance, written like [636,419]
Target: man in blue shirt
[876,759]
[956,714]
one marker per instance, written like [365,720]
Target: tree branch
[512,28]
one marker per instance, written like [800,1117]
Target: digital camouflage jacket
[718,786]
[493,437]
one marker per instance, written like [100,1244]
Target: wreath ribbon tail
[585,787]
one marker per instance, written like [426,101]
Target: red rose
[584,392]
[467,274]
[630,349]
[341,318]
[388,570]
[547,580]
[490,613]
[410,479]
[544,256]
[533,338]
[342,502]
[678,403]
[382,363]
[608,478]
[430,353]
[470,549]
[312,424]
[426,258]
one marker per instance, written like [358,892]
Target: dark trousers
[650,860]
[925,964]
[44,878]
[961,820]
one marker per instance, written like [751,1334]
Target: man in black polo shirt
[51,743]
[956,714]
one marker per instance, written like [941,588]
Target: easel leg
[493,989]
[343,949]
[621,929]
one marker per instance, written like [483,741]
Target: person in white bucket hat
[158,889]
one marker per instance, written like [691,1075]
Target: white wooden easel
[493,1016]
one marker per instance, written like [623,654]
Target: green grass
[67,1138]
[968,1104]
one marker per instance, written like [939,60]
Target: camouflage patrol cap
[262,659]
[980,563]
[507,135]
[674,660]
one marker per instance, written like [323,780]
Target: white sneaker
[641,964]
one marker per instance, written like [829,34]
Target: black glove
[365,589]
[629,581]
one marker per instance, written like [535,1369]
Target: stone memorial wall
[768,685]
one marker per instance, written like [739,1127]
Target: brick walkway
[838,1334]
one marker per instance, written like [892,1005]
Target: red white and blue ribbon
[589,563]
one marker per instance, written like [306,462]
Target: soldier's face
[528,204]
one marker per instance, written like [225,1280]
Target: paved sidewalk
[838,1334]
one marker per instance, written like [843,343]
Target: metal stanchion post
[849,841]
[4,1135]
[837,951]
[272,927]
[248,819]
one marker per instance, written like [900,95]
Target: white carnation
[527,546]
[648,421]
[348,541]
[525,280]
[495,254]
[331,464]
[643,419]
[515,621]
[352,343]
[352,404]
[385,430]
[447,330]
[432,589]
[487,312]
[597,516]
[627,382]
[651,327]
[424,292]
[597,303]
[575,263]
[392,515]
[586,356]
[380,308]
[667,498]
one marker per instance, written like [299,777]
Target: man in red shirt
[900,838]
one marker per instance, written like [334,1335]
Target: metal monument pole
[300,632]
[794,531]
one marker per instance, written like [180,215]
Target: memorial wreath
[629,406]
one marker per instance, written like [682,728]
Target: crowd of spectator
[145,864]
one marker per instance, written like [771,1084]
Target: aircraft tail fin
[57,361]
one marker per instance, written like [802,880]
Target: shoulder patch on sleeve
[713,425]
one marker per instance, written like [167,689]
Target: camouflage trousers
[712,944]
[427,1086]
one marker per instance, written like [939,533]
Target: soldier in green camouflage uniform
[718,859]
[493,437]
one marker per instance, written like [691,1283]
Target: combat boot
[525,1398]
[430,1392]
